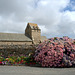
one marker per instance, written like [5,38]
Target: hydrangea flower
[56,52]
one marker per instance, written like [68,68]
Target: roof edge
[13,41]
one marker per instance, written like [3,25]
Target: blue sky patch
[71,6]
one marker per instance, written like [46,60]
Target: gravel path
[26,70]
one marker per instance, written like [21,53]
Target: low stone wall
[15,42]
[7,50]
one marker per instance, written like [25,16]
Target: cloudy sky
[54,17]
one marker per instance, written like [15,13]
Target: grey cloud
[15,14]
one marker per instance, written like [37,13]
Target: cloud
[67,24]
[48,14]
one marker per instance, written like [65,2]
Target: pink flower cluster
[56,52]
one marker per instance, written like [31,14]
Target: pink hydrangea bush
[56,52]
[69,54]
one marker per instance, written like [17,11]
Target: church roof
[13,37]
[33,26]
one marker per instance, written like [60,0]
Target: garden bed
[17,60]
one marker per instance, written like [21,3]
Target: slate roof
[34,26]
[13,37]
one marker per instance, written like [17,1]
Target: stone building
[32,36]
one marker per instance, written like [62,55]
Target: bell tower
[33,32]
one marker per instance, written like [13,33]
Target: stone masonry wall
[15,43]
[36,36]
[28,32]
[7,50]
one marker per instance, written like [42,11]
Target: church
[32,35]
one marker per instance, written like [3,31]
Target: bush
[56,52]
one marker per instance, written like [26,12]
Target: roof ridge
[9,33]
[33,24]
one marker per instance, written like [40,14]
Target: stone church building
[32,36]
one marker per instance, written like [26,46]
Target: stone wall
[36,36]
[15,43]
[28,32]
[7,50]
